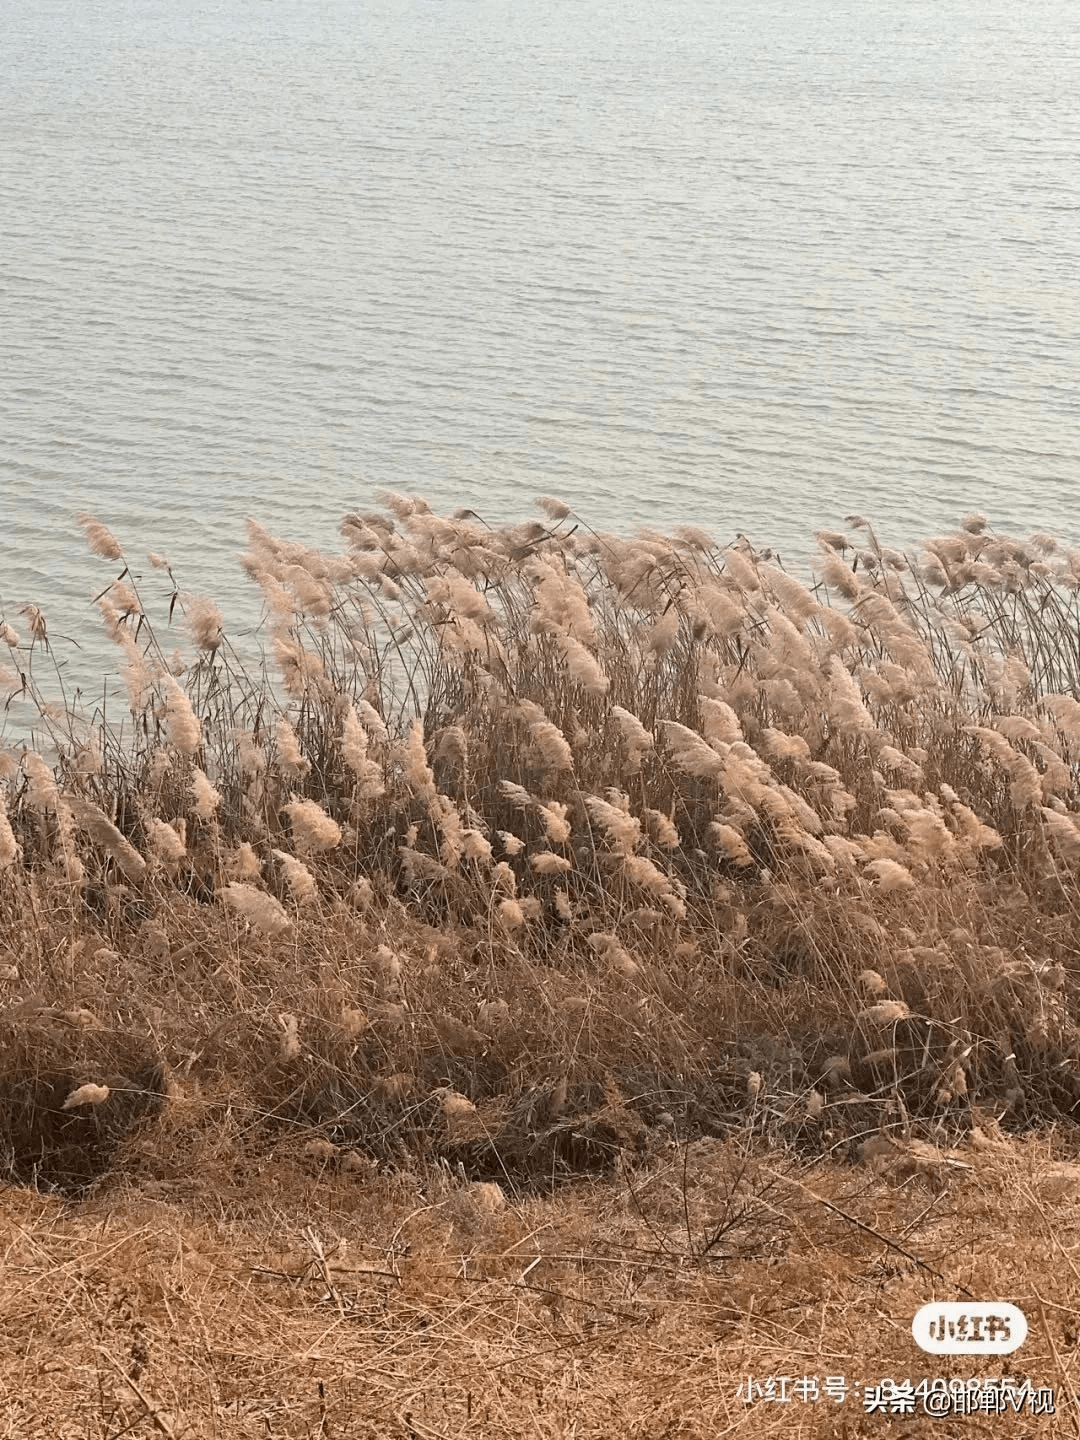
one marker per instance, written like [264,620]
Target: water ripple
[749,267]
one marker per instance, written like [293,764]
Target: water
[749,265]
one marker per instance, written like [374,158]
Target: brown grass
[294,1297]
[542,859]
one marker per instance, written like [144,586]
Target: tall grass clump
[587,830]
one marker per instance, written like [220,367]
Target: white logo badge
[963,1327]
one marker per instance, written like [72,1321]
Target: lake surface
[750,265]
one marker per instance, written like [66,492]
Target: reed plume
[181,724]
[104,833]
[164,841]
[313,829]
[256,906]
[102,541]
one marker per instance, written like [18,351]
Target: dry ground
[293,1297]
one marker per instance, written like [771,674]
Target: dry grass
[293,1299]
[542,858]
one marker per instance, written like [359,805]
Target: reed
[655,805]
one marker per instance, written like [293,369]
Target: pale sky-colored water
[749,265]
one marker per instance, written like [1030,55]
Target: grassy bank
[535,858]
[295,1302]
